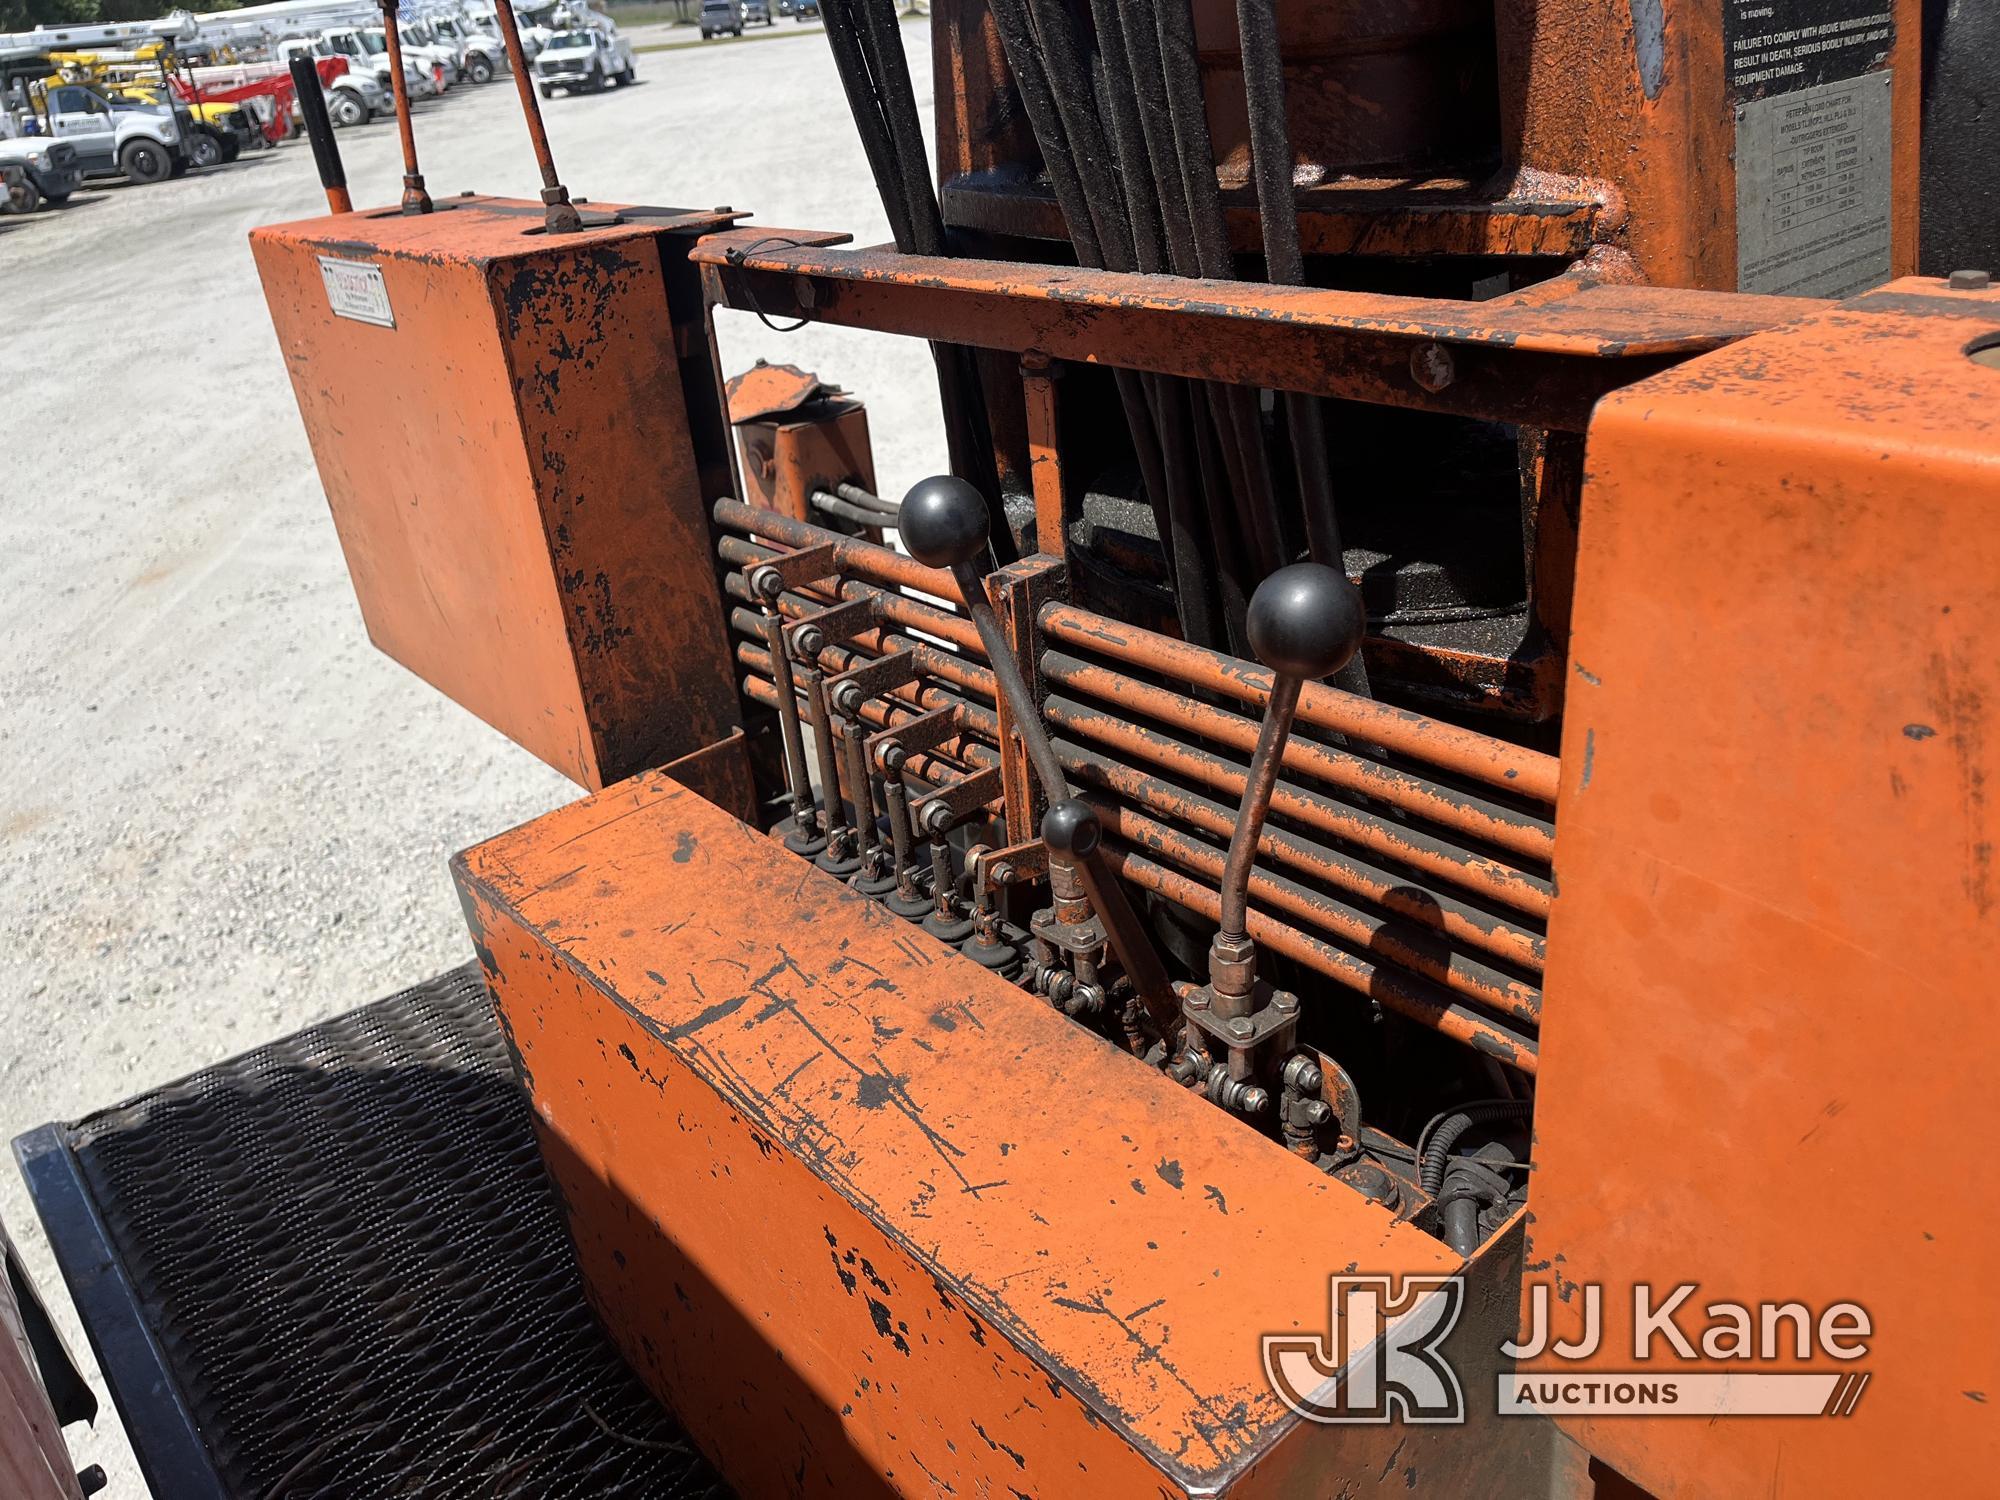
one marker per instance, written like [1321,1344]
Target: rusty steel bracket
[955,801]
[1021,864]
[811,634]
[1018,594]
[1038,389]
[793,570]
[876,678]
[927,731]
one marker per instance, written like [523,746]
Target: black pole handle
[319,132]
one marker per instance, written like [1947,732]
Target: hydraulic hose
[1443,1133]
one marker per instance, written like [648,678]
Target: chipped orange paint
[1769,1043]
[510,471]
[1543,365]
[858,1208]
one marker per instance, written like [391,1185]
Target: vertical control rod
[415,199]
[1304,622]
[561,216]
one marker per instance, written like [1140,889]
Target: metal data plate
[1813,207]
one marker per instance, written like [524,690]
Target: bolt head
[943,521]
[1306,621]
[1242,1028]
[1284,1001]
[766,582]
[1970,281]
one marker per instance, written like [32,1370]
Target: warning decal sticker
[1777,46]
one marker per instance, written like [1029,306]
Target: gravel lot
[223,815]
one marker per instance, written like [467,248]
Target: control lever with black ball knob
[1305,622]
[944,524]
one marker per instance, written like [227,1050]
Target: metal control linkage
[806,836]
[840,856]
[415,199]
[561,216]
[944,525]
[1304,622]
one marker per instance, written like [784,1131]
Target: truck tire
[344,109]
[596,84]
[479,68]
[26,198]
[145,161]
[205,148]
[626,76]
[231,147]
[548,91]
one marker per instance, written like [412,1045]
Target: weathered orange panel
[1769,1041]
[511,472]
[871,1218]
[1637,97]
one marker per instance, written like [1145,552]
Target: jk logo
[1380,1359]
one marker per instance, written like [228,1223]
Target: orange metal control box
[501,421]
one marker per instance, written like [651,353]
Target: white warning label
[1812,189]
[355,289]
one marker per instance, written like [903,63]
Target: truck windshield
[373,44]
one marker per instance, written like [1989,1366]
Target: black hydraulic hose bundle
[1116,103]
[1094,192]
[1284,264]
[1102,239]
[867,44]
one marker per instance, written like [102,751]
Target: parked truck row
[152,100]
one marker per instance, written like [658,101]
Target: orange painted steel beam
[1543,365]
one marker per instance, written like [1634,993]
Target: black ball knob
[1071,827]
[1306,621]
[943,521]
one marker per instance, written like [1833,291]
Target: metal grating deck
[333,1267]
